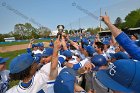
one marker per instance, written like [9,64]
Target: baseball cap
[51,44]
[106,42]
[68,44]
[98,60]
[122,75]
[3,60]
[40,45]
[89,49]
[91,43]
[119,55]
[67,53]
[84,41]
[34,45]
[64,82]
[61,60]
[37,57]
[74,40]
[47,52]
[21,62]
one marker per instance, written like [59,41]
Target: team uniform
[34,51]
[4,80]
[38,84]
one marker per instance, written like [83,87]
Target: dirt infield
[16,47]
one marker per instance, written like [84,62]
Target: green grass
[19,43]
[12,55]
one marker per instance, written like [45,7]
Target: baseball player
[4,75]
[31,80]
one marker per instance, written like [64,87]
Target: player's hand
[67,37]
[64,35]
[32,41]
[63,42]
[105,19]
[88,66]
[57,43]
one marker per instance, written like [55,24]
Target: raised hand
[57,43]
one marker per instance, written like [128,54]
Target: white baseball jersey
[4,80]
[38,83]
[37,52]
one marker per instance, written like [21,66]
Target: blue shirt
[130,47]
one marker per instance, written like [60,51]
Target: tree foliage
[132,20]
[118,22]
[94,30]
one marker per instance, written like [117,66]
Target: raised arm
[54,63]
[129,46]
[64,43]
[115,31]
[73,43]
[30,46]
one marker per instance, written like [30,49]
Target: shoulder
[12,90]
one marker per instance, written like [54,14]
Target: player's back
[36,85]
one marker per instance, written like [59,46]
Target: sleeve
[28,50]
[130,47]
[42,76]
[76,66]
[61,60]
[80,64]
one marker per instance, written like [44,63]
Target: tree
[66,31]
[94,31]
[44,32]
[118,21]
[138,23]
[132,18]
[25,31]
[1,38]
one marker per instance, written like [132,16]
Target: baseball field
[14,49]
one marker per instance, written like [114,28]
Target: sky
[70,13]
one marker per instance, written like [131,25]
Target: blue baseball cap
[106,42]
[3,60]
[64,82]
[37,57]
[47,52]
[21,62]
[98,60]
[74,40]
[61,59]
[122,75]
[34,45]
[40,45]
[91,43]
[84,41]
[89,49]
[67,53]
[51,44]
[68,44]
[119,55]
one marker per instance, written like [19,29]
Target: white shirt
[4,80]
[37,52]
[107,53]
[39,82]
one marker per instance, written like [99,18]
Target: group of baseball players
[107,65]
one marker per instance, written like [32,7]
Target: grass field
[19,43]
[11,55]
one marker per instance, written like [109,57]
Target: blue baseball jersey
[130,47]
[4,80]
